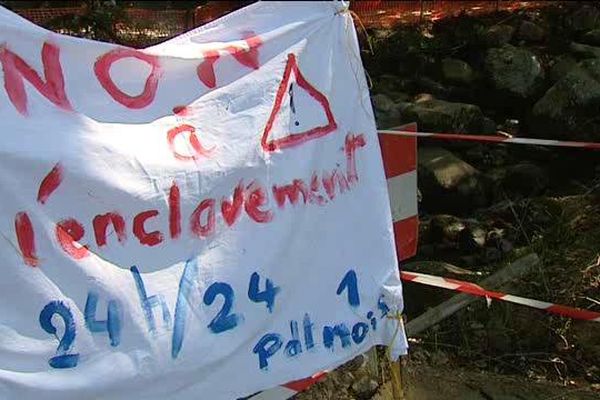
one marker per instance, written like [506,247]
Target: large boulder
[448,183]
[457,71]
[525,179]
[584,50]
[382,102]
[569,109]
[387,112]
[531,32]
[498,35]
[443,116]
[561,66]
[592,37]
[514,72]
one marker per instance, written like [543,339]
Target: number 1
[350,282]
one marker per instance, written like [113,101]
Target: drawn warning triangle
[305,115]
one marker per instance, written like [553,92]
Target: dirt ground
[422,381]
[434,383]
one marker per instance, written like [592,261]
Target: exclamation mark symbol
[291,93]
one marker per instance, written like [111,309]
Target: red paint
[197,226]
[292,192]
[333,179]
[399,153]
[102,71]
[406,234]
[139,230]
[26,239]
[194,142]
[248,57]
[206,69]
[315,195]
[232,210]
[50,183]
[298,138]
[174,211]
[255,199]
[101,223]
[182,111]
[68,233]
[52,87]
[353,142]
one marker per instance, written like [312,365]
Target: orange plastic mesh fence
[149,26]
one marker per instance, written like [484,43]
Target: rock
[584,19]
[514,71]
[584,51]
[390,83]
[472,238]
[445,227]
[530,32]
[365,388]
[569,109]
[486,155]
[358,362]
[457,71]
[382,102]
[525,179]
[498,35]
[387,113]
[592,37]
[561,67]
[399,97]
[422,97]
[443,116]
[431,86]
[448,183]
[496,239]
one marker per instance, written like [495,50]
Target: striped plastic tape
[476,290]
[400,131]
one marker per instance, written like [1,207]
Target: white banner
[205,218]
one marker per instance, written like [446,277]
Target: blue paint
[294,346]
[148,303]
[371,316]
[350,282]
[62,359]
[186,283]
[266,347]
[359,332]
[309,341]
[112,325]
[223,321]
[382,307]
[268,295]
[341,330]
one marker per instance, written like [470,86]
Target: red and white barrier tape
[493,139]
[476,290]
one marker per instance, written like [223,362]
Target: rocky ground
[527,74]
